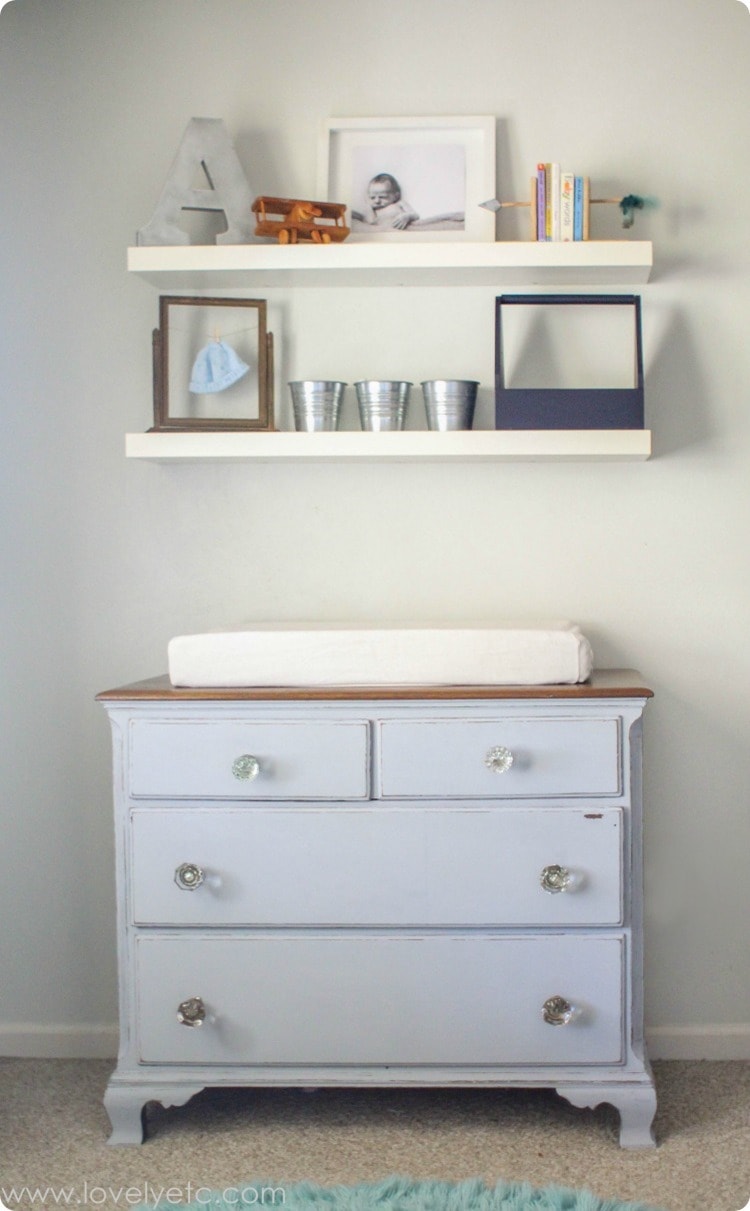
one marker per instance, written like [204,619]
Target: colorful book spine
[586,206]
[548,201]
[541,201]
[554,202]
[567,180]
[578,208]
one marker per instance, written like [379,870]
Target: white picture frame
[386,170]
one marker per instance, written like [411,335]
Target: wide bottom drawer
[328,998]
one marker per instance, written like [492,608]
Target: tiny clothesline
[214,334]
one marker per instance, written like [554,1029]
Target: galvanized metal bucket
[450,403]
[316,404]
[382,403]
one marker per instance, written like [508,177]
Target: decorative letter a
[205,144]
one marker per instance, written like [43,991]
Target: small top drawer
[245,759]
[499,757]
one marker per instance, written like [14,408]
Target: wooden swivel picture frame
[212,365]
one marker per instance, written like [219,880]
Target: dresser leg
[635,1102]
[637,1109]
[125,1110]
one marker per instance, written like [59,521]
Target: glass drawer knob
[499,759]
[188,876]
[191,1012]
[246,767]
[555,879]
[556,1011]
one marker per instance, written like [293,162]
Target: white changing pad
[335,654]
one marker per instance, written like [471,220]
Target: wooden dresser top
[603,683]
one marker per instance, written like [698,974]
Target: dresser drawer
[334,999]
[420,865]
[454,757]
[295,760]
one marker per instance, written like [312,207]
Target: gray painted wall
[104,560]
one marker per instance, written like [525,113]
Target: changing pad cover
[337,654]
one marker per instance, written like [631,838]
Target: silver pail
[449,403]
[382,404]
[316,404]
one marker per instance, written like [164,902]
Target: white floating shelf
[517,445]
[229,266]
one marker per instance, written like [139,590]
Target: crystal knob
[191,1012]
[555,879]
[188,876]
[499,759]
[556,1011]
[246,767]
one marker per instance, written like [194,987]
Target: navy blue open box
[569,407]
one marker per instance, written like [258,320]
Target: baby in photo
[385,206]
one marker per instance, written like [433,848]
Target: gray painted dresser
[380,887]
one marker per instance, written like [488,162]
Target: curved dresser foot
[125,1110]
[636,1103]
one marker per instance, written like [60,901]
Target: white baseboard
[89,1042]
[97,1042]
[730,1041]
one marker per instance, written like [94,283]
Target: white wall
[104,560]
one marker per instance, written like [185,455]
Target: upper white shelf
[476,445]
[517,263]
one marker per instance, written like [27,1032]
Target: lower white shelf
[516,445]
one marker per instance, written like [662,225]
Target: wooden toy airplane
[292,219]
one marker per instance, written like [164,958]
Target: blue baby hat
[215,368]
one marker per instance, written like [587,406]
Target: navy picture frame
[569,407]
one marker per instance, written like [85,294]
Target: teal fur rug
[401,1194]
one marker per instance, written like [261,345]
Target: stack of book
[559,204]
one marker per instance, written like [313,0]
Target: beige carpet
[53,1131]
